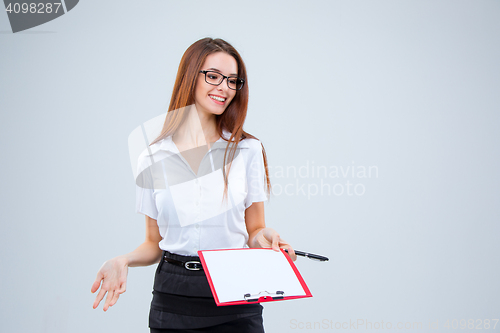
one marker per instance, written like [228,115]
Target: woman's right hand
[113,275]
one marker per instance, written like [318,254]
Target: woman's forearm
[148,253]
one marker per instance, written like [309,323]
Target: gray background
[410,87]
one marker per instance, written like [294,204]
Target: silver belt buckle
[192,263]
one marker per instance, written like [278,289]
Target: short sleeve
[145,201]
[256,174]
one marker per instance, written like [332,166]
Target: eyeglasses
[215,79]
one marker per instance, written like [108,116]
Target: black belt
[191,265]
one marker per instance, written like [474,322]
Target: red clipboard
[244,277]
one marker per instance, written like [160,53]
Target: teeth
[220,99]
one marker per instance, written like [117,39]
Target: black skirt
[182,299]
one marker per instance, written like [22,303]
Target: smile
[217,98]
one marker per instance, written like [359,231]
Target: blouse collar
[167,144]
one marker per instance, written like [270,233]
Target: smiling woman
[203,184]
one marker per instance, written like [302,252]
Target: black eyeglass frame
[223,78]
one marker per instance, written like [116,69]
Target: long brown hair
[231,119]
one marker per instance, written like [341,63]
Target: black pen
[309,255]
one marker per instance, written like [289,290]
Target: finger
[284,245]
[99,298]
[291,253]
[123,281]
[96,284]
[123,287]
[115,298]
[118,292]
[276,240]
[108,299]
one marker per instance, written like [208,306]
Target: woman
[197,196]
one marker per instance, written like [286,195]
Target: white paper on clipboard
[234,273]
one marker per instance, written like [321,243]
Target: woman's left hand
[269,237]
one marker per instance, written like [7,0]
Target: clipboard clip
[264,296]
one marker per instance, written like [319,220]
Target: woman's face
[212,99]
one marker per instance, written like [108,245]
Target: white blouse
[189,207]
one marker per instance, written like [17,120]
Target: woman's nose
[223,86]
